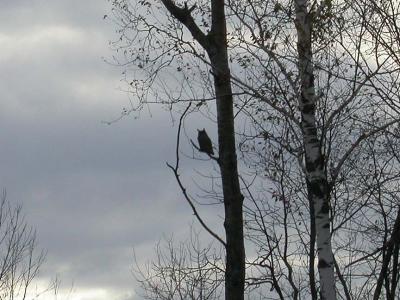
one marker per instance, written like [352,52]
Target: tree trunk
[215,43]
[317,184]
[233,199]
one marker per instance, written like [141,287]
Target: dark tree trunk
[233,199]
[215,43]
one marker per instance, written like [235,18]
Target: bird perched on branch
[205,143]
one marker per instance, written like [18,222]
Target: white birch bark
[317,185]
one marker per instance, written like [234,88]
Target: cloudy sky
[93,192]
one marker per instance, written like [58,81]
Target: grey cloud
[94,192]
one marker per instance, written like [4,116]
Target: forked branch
[175,170]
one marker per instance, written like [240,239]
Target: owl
[205,143]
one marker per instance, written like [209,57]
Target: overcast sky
[93,192]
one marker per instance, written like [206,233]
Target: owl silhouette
[205,143]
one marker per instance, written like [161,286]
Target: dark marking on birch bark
[322,264]
[325,209]
[316,164]
[308,108]
[311,82]
[313,140]
[311,167]
[317,188]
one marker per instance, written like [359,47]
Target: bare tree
[182,271]
[312,82]
[19,260]
[303,75]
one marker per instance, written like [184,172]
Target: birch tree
[316,114]
[317,183]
